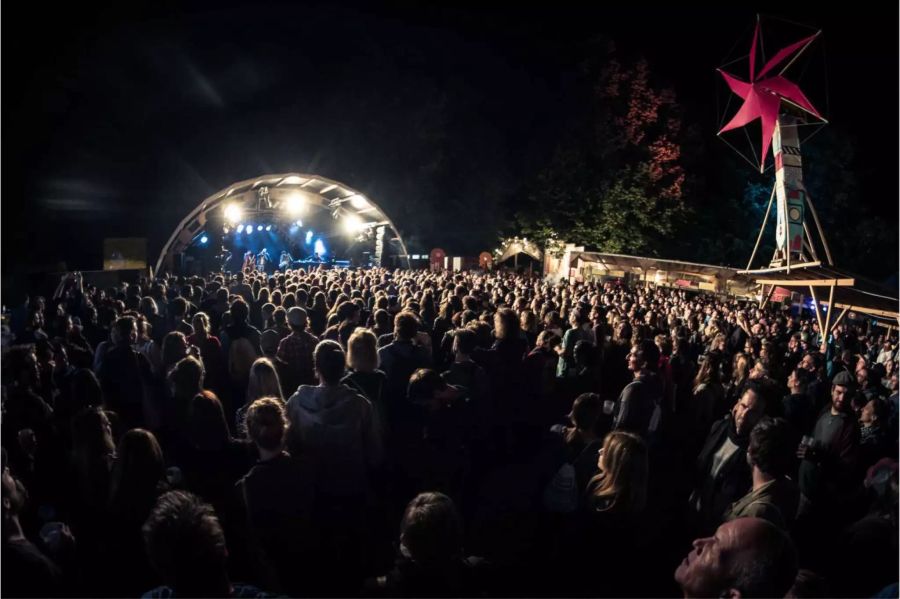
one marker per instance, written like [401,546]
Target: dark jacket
[277,496]
[716,494]
[831,473]
[337,428]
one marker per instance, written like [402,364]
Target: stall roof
[624,262]
[850,291]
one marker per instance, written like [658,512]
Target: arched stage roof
[315,191]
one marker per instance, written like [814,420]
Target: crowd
[411,433]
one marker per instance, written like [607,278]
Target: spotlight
[353,224]
[240,229]
[233,213]
[204,239]
[295,203]
[248,228]
[299,223]
[309,236]
[319,248]
[259,227]
[225,230]
[268,227]
[359,202]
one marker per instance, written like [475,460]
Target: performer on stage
[262,260]
[225,257]
[249,261]
[285,261]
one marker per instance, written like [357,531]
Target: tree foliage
[617,183]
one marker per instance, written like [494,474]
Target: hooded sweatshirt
[336,427]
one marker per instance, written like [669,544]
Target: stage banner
[436,259]
[124,253]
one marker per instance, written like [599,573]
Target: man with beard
[722,473]
[829,459]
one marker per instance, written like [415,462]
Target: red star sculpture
[763,95]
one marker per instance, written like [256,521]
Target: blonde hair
[622,484]
[203,319]
[362,350]
[264,381]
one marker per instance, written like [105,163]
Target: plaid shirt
[296,350]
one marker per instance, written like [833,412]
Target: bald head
[747,557]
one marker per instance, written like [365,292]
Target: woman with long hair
[708,401]
[612,531]
[740,374]
[174,348]
[210,352]
[363,374]
[212,461]
[318,314]
[264,382]
[138,479]
[620,486]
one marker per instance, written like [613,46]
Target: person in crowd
[210,459]
[640,398]
[186,545]
[829,458]
[264,382]
[773,496]
[363,375]
[746,557]
[798,407]
[401,358]
[722,474]
[874,434]
[431,560]
[28,571]
[336,427]
[296,350]
[277,496]
[580,440]
[125,374]
[613,509]
[138,479]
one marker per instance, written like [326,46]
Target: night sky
[118,119]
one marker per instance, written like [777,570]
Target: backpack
[241,356]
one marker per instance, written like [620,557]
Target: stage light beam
[233,213]
[309,236]
[359,202]
[352,224]
[240,229]
[295,203]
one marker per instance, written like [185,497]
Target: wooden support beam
[819,227]
[809,242]
[827,318]
[839,318]
[762,229]
[762,271]
[807,282]
[767,297]
[823,332]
